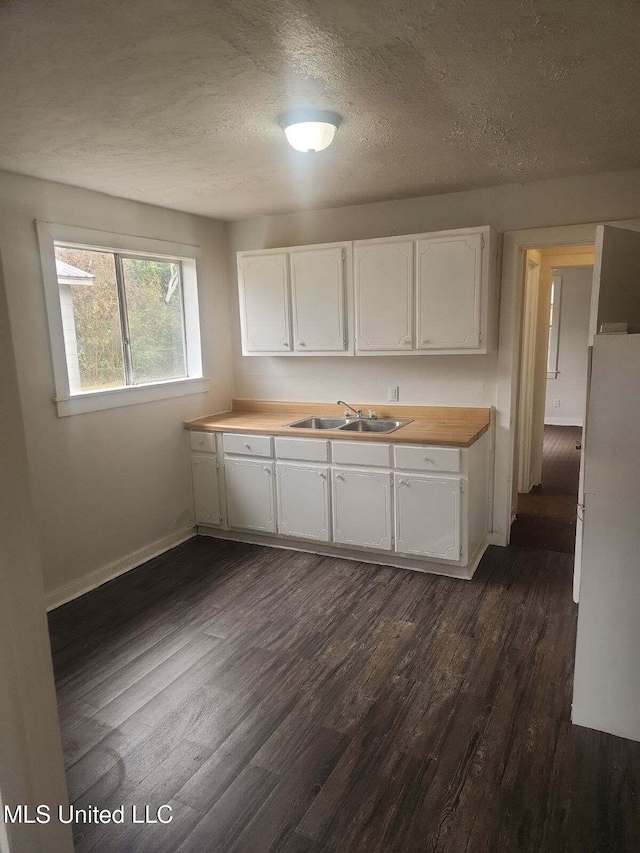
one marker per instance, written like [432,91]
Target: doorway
[552,395]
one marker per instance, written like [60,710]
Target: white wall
[31,766]
[107,484]
[570,385]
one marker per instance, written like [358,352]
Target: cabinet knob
[301,344]
[285,344]
[426,341]
[403,483]
[266,469]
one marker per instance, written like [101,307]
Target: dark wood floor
[547,515]
[303,704]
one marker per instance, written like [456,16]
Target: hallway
[547,515]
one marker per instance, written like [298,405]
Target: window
[123,318]
[554,327]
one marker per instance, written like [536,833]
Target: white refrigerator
[607,670]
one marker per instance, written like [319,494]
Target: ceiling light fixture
[310,130]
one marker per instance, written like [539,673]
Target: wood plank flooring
[547,515]
[302,704]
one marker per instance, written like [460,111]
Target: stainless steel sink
[378,425]
[319,423]
[382,425]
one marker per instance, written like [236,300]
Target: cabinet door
[317,290]
[448,292]
[428,516]
[303,501]
[250,499]
[362,508]
[206,495]
[264,303]
[384,296]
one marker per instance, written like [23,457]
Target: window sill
[114,398]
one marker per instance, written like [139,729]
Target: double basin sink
[379,425]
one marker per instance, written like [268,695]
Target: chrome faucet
[356,412]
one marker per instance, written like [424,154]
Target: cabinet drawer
[203,441]
[427,458]
[361,453]
[247,445]
[304,449]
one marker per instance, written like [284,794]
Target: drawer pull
[266,469]
[427,459]
[301,344]
[247,445]
[339,476]
[403,483]
[322,475]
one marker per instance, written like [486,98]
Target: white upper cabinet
[420,294]
[427,294]
[318,297]
[263,282]
[384,286]
[448,292]
[294,301]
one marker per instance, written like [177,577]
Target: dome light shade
[310,130]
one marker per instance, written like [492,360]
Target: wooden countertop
[445,426]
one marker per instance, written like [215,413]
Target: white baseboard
[563,422]
[86,583]
[347,552]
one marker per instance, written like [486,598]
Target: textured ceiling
[175,102]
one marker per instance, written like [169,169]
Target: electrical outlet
[556,403]
[393,393]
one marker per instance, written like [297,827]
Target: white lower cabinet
[303,501]
[427,516]
[422,505]
[206,494]
[250,494]
[362,508]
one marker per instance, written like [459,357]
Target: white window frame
[127,395]
[554,327]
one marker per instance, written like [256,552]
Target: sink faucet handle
[372,415]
